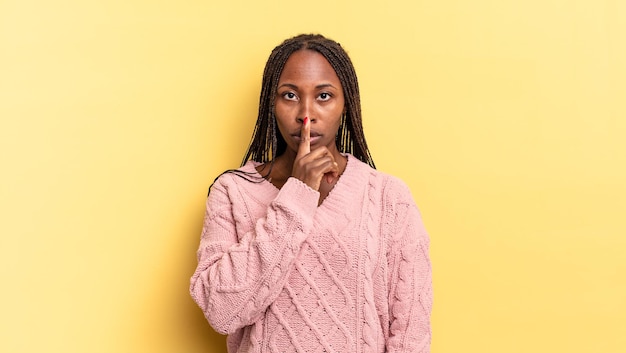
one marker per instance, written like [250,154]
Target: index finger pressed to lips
[305,138]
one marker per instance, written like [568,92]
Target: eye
[324,96]
[289,96]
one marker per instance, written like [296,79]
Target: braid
[267,143]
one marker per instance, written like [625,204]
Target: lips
[315,136]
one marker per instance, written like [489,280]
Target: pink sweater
[277,273]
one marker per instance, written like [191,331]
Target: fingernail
[306,120]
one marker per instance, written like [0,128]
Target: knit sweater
[278,273]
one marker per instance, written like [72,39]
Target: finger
[323,162]
[305,138]
[322,169]
[333,174]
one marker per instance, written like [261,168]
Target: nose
[305,110]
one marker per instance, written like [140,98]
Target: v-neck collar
[335,199]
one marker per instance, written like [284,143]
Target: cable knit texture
[278,273]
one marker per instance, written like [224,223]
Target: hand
[311,167]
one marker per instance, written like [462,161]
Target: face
[309,87]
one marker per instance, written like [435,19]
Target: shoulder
[389,190]
[396,190]
[391,187]
[230,179]
[401,217]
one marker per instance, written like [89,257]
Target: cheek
[337,125]
[283,113]
[282,127]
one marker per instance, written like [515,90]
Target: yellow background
[506,118]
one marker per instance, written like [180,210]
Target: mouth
[315,136]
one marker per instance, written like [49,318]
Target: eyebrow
[292,86]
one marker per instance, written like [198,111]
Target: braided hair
[267,143]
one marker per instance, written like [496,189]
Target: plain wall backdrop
[506,119]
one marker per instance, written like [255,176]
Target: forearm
[238,277]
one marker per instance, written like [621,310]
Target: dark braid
[267,143]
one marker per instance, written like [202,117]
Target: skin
[308,108]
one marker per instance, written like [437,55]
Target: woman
[306,247]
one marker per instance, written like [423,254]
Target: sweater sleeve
[410,277]
[239,275]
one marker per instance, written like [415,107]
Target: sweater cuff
[298,196]
[300,199]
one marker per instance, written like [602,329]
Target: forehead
[308,65]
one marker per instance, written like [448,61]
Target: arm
[410,279]
[240,275]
